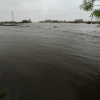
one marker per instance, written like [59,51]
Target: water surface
[45,63]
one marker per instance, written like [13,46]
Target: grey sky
[38,10]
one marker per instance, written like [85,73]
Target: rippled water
[45,63]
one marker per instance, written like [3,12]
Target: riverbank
[10,24]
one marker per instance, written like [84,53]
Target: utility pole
[12,16]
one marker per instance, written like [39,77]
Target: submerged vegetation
[3,95]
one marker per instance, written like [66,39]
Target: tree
[26,21]
[89,5]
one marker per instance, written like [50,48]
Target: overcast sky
[38,10]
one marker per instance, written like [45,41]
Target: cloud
[37,10]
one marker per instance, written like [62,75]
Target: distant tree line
[26,21]
[23,21]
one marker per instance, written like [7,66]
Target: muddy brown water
[41,62]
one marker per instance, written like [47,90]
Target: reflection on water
[41,62]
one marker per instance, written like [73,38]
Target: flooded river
[41,62]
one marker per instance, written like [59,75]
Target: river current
[41,62]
